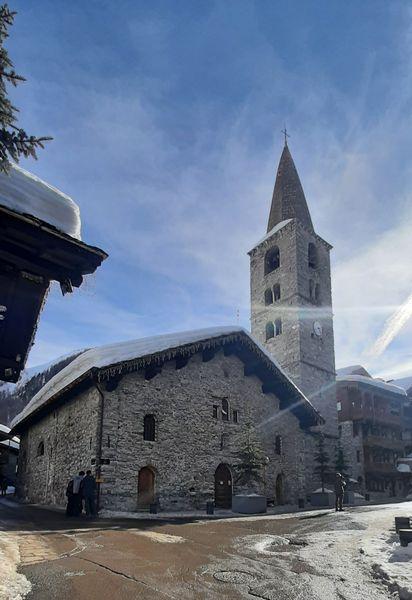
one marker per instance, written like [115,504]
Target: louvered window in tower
[268,297]
[312,256]
[270,330]
[272,259]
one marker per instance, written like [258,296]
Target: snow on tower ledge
[25,193]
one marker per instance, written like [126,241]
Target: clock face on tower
[317,328]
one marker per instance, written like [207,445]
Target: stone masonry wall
[188,446]
[308,358]
[69,437]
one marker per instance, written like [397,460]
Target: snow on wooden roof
[388,387]
[112,359]
[25,193]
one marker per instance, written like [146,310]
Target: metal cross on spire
[285,133]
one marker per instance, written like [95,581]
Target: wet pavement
[307,556]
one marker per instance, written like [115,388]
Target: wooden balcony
[383,442]
[384,468]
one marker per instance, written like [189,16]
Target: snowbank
[25,193]
[13,585]
[391,562]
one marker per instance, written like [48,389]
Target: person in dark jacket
[339,491]
[71,502]
[88,491]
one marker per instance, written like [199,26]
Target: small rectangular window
[358,456]
[339,406]
[235,416]
[215,411]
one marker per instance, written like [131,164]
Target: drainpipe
[99,440]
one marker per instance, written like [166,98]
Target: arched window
[278,326]
[268,297]
[270,330]
[149,428]
[312,256]
[317,293]
[311,289]
[225,410]
[40,449]
[272,260]
[276,292]
[278,444]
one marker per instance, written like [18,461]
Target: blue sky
[167,117]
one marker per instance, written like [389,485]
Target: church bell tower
[291,300]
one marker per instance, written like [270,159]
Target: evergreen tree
[322,458]
[14,141]
[340,462]
[251,459]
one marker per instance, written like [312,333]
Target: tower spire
[288,200]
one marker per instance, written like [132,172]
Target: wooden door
[146,487]
[223,487]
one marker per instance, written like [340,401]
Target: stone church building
[163,418]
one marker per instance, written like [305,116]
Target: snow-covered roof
[269,234]
[4,428]
[404,382]
[352,370]
[10,444]
[403,468]
[389,387]
[111,355]
[25,193]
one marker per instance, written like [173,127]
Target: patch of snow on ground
[13,585]
[263,544]
[162,538]
[391,561]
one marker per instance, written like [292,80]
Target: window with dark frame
[225,410]
[278,445]
[312,256]
[269,330]
[149,428]
[215,411]
[276,292]
[278,326]
[40,449]
[272,260]
[268,297]
[235,416]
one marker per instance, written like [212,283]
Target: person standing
[77,496]
[70,508]
[339,491]
[88,491]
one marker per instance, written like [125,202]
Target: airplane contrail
[392,327]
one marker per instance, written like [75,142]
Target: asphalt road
[307,556]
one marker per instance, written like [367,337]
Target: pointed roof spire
[288,200]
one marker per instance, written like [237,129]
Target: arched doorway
[279,490]
[145,487]
[223,487]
